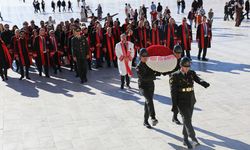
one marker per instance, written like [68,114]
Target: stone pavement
[61,114]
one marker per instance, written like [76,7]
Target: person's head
[185,64]
[14,28]
[123,38]
[7,27]
[52,33]
[85,30]
[204,19]
[42,23]
[143,55]
[34,32]
[177,51]
[42,32]
[78,32]
[1,27]
[109,30]
[171,21]
[22,34]
[17,32]
[32,22]
[130,32]
[184,20]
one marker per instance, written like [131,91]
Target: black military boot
[195,141]
[154,121]
[175,119]
[187,143]
[147,125]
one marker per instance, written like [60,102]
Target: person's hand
[206,85]
[87,56]
[74,58]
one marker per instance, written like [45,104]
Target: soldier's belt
[187,89]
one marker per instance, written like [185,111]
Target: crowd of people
[80,47]
[236,7]
[162,30]
[60,4]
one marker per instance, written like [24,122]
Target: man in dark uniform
[79,47]
[146,77]
[182,93]
[177,53]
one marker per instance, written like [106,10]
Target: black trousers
[204,50]
[46,65]
[186,111]
[148,93]
[108,60]
[123,80]
[82,69]
[26,70]
[187,53]
[56,63]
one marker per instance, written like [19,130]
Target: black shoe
[21,78]
[187,143]
[122,87]
[195,141]
[199,58]
[2,78]
[47,76]
[85,80]
[77,75]
[204,59]
[154,122]
[60,70]
[28,77]
[176,121]
[147,125]
[55,72]
[6,78]
[40,74]
[82,81]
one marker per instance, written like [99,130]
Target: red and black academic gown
[116,31]
[171,35]
[60,37]
[131,38]
[39,48]
[200,35]
[68,47]
[22,51]
[13,46]
[143,37]
[5,58]
[109,44]
[91,49]
[96,42]
[54,50]
[124,27]
[155,37]
[185,36]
